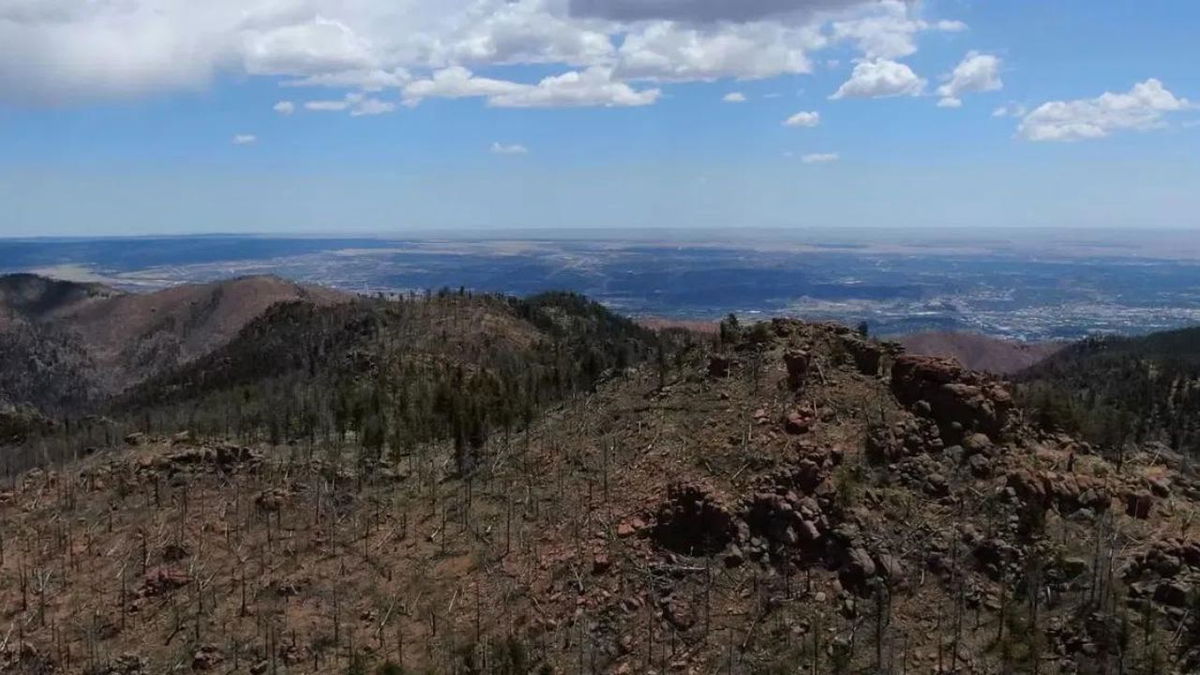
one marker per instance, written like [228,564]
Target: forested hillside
[1119,390]
[391,374]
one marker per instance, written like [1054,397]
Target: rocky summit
[786,497]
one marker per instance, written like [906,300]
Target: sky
[396,116]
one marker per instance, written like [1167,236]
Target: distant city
[1025,285]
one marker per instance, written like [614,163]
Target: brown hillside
[798,501]
[95,340]
[980,352]
[29,297]
[140,334]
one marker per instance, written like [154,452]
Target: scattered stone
[719,366]
[798,422]
[164,580]
[1139,504]
[271,500]
[1173,593]
[980,466]
[734,557]
[175,552]
[206,658]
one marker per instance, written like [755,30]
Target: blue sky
[1071,114]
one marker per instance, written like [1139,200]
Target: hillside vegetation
[1116,391]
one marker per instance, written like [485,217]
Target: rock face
[867,356]
[959,401]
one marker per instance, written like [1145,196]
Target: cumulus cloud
[245,139]
[820,158]
[284,107]
[975,73]
[889,30]
[803,119]
[1141,108]
[509,149]
[668,51]
[594,87]
[365,80]
[703,10]
[66,51]
[734,97]
[880,78]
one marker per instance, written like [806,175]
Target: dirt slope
[100,341]
[980,352]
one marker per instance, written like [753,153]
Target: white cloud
[509,149]
[975,73]
[667,51]
[372,106]
[703,11]
[594,87]
[888,30]
[245,139]
[734,97]
[67,51]
[820,158]
[357,104]
[880,78]
[1010,110]
[366,80]
[310,48]
[456,82]
[803,119]
[284,107]
[1141,109]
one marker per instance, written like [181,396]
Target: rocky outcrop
[867,355]
[959,401]
[798,364]
[694,521]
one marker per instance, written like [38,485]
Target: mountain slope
[396,373]
[31,298]
[980,352]
[1115,390]
[69,344]
[790,498]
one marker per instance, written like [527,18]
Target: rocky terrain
[784,498]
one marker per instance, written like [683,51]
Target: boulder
[866,355]
[719,366]
[1173,593]
[1139,504]
[693,521]
[798,364]
[957,399]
